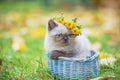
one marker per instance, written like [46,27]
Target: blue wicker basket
[69,69]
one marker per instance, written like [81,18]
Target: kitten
[60,41]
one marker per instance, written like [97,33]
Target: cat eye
[71,35]
[58,35]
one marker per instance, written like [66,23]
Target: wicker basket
[69,69]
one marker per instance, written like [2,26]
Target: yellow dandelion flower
[75,31]
[64,22]
[69,24]
[74,24]
[60,20]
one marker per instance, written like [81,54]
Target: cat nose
[65,38]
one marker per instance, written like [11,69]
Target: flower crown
[70,24]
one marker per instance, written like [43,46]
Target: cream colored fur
[79,46]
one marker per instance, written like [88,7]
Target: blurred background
[23,28]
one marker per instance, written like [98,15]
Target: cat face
[59,34]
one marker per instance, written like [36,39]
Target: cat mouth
[65,43]
[62,44]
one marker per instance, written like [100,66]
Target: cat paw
[55,54]
[69,55]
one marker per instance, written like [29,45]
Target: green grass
[105,47]
[18,6]
[32,63]
[28,65]
[26,6]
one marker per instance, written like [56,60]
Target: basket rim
[81,60]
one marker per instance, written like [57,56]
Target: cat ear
[51,24]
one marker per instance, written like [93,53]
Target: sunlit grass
[28,65]
[32,63]
[107,70]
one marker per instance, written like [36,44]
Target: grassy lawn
[31,64]
[28,65]
[106,70]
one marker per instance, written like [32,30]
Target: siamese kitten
[60,42]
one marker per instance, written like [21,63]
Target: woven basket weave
[69,69]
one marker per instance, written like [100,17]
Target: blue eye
[58,35]
[71,35]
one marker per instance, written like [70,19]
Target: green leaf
[62,18]
[79,27]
